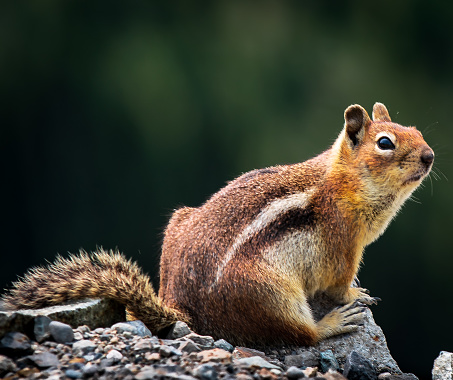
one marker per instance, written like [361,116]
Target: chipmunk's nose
[427,157]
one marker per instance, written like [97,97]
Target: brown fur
[244,265]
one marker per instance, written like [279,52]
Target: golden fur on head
[99,274]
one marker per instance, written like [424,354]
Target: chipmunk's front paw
[361,295]
[343,319]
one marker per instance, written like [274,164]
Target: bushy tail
[99,274]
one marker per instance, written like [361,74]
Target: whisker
[428,129]
[414,199]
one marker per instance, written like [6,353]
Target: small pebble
[123,326]
[41,328]
[328,361]
[205,372]
[294,373]
[72,374]
[61,332]
[45,360]
[115,355]
[224,345]
[141,329]
[358,368]
[83,346]
[178,330]
[90,370]
[15,343]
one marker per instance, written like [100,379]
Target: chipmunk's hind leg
[341,320]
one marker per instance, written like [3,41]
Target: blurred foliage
[113,114]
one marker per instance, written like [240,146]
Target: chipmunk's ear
[357,122]
[380,113]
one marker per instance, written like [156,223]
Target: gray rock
[83,347]
[189,347]
[15,344]
[141,328]
[45,360]
[122,327]
[41,328]
[167,351]
[224,345]
[358,368]
[404,376]
[6,365]
[328,361]
[205,372]
[294,373]
[92,312]
[90,370]
[72,374]
[61,332]
[159,371]
[144,345]
[115,355]
[369,341]
[178,330]
[205,342]
[256,362]
[304,359]
[442,369]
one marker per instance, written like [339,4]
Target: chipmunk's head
[388,155]
[379,164]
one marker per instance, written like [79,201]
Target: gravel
[126,351]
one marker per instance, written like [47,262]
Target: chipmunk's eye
[385,143]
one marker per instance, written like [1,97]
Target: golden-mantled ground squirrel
[243,265]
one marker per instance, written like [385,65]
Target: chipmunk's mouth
[420,175]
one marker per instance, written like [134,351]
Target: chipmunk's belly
[300,257]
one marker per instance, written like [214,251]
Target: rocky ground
[129,351]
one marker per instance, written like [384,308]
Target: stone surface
[6,365]
[189,346]
[358,368]
[115,355]
[256,361]
[83,346]
[404,376]
[294,373]
[369,341]
[41,329]
[244,352]
[304,359]
[333,375]
[167,351]
[45,360]
[15,344]
[178,330]
[216,355]
[328,361]
[140,328]
[310,371]
[205,372]
[442,368]
[224,345]
[122,327]
[93,312]
[203,341]
[61,332]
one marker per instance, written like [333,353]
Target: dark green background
[115,113]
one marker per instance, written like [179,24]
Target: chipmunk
[244,265]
